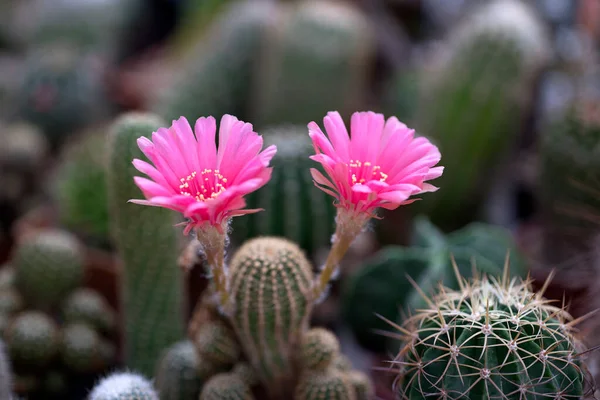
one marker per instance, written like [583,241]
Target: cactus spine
[270,293]
[147,242]
[177,373]
[492,337]
[316,60]
[294,208]
[123,386]
[226,386]
[472,101]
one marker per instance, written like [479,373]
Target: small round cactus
[270,281]
[123,386]
[363,388]
[217,343]
[88,306]
[342,363]
[319,349]
[246,373]
[177,375]
[32,339]
[49,265]
[330,385]
[80,349]
[7,277]
[491,338]
[226,386]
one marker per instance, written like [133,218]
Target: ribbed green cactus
[494,337]
[49,265]
[177,376]
[80,348]
[60,92]
[363,388]
[317,59]
[570,185]
[294,208]
[124,386]
[33,340]
[217,80]
[330,385]
[473,100]
[81,193]
[88,306]
[5,374]
[147,241]
[380,287]
[217,343]
[319,349]
[269,290]
[226,386]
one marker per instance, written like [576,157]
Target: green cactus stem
[147,242]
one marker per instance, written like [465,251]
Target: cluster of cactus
[381,288]
[294,208]
[54,328]
[473,99]
[61,90]
[570,187]
[148,245]
[313,57]
[493,337]
[81,189]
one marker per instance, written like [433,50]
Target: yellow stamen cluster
[364,167]
[209,186]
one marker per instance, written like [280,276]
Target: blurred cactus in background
[151,282]
[5,374]
[294,208]
[123,386]
[473,99]
[381,286]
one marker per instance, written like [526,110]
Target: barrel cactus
[294,208]
[148,244]
[380,287]
[270,282]
[49,265]
[123,386]
[493,337]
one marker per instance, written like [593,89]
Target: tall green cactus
[217,79]
[570,185]
[381,286]
[147,242]
[294,208]
[270,287]
[473,100]
[316,60]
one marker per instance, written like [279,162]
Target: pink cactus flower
[190,175]
[381,164]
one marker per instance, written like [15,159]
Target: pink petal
[360,188]
[152,172]
[150,188]
[366,129]
[206,130]
[320,142]
[320,178]
[338,134]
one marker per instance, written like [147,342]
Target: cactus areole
[490,339]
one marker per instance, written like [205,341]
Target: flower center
[361,172]
[208,185]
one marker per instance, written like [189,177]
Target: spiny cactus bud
[177,373]
[489,339]
[49,264]
[123,386]
[363,388]
[88,306]
[217,343]
[246,373]
[80,348]
[226,387]
[270,280]
[32,340]
[330,385]
[342,363]
[319,348]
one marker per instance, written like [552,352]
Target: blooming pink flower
[381,164]
[191,176]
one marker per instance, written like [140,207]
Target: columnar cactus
[226,386]
[270,294]
[491,338]
[123,386]
[146,240]
[294,208]
[218,80]
[177,373]
[472,102]
[316,59]
[49,265]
